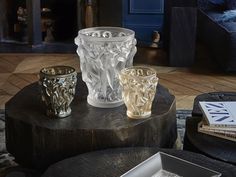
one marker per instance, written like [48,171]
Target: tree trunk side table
[211,146]
[38,141]
[115,162]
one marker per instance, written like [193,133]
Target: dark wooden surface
[108,15]
[115,162]
[3,14]
[214,147]
[44,48]
[212,96]
[38,141]
[182,3]
[183,25]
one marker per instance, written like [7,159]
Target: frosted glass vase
[103,53]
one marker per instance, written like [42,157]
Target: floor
[19,70]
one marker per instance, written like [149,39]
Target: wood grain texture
[183,25]
[115,162]
[34,22]
[2,17]
[38,141]
[184,83]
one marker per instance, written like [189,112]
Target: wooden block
[37,141]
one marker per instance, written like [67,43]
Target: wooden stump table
[115,162]
[211,146]
[38,141]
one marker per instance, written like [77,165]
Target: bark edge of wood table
[211,146]
[115,162]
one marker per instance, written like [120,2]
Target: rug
[6,160]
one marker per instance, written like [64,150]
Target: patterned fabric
[229,16]
[181,116]
[217,2]
[231,4]
[6,160]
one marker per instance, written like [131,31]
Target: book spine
[218,128]
[219,135]
[230,133]
[227,136]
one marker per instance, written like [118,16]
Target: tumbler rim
[72,72]
[123,72]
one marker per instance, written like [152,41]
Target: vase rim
[129,33]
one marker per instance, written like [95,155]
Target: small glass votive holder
[139,88]
[57,84]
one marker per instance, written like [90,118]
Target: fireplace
[49,23]
[59,17]
[40,22]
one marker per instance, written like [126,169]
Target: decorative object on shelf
[58,89]
[139,88]
[155,39]
[47,24]
[104,52]
[20,27]
[89,14]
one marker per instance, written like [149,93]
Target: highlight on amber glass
[139,88]
[57,85]
[103,52]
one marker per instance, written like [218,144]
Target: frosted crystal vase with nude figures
[103,53]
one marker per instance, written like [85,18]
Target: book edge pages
[217,128]
[219,135]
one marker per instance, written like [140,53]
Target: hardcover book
[219,114]
[225,134]
[206,126]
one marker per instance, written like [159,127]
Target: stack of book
[219,119]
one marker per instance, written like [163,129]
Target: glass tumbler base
[143,116]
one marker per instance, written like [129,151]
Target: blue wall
[144,17]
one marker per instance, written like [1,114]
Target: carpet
[6,160]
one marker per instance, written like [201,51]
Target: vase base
[104,104]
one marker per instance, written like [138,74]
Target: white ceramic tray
[162,161]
